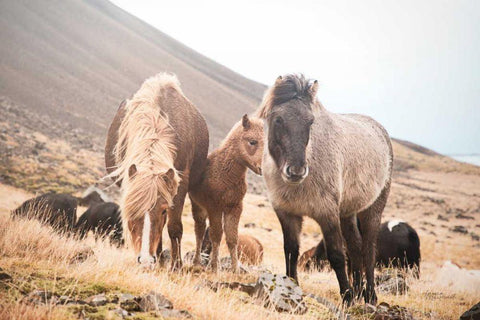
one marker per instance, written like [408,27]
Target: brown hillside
[74,61]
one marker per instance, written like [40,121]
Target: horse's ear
[312,90]
[132,170]
[279,79]
[246,122]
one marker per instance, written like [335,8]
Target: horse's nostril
[138,259]
[288,171]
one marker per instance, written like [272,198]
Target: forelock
[286,88]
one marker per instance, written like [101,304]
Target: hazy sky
[412,65]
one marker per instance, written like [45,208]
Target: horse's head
[288,110]
[148,198]
[250,143]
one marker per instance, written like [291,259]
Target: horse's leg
[291,227]
[160,241]
[232,218]
[200,218]
[332,234]
[353,239]
[370,224]
[215,233]
[175,227]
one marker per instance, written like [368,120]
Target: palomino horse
[330,167]
[223,186]
[157,147]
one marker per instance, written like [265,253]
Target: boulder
[97,300]
[169,313]
[165,257]
[38,297]
[154,301]
[281,292]
[387,312]
[204,258]
[129,302]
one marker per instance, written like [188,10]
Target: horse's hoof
[348,297]
[371,297]
[176,266]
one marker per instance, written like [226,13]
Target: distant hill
[75,61]
[65,66]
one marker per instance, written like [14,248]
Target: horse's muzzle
[294,174]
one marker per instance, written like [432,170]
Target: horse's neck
[228,163]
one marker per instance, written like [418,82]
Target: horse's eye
[278,120]
[164,212]
[253,142]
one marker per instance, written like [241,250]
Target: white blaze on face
[393,223]
[145,256]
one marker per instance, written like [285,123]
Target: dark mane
[286,88]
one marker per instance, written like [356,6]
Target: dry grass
[38,258]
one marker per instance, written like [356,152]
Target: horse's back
[191,132]
[366,160]
[190,127]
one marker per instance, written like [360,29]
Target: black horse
[103,219]
[56,210]
[398,246]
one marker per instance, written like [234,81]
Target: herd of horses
[333,168]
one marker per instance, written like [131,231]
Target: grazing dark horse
[156,149]
[334,168]
[104,220]
[91,196]
[398,246]
[56,210]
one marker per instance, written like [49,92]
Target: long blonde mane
[146,140]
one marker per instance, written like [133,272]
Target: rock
[5,277]
[97,300]
[270,290]
[250,225]
[443,218]
[204,258]
[38,297]
[129,302]
[119,312]
[281,292]
[169,313]
[362,309]
[387,312]
[165,257]
[154,301]
[472,314]
[475,237]
[248,288]
[464,216]
[459,229]
[391,281]
[226,265]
